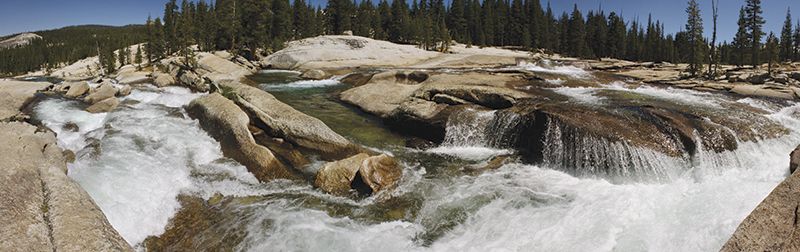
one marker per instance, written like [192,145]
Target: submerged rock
[379,173]
[362,173]
[314,74]
[772,226]
[124,90]
[227,123]
[45,210]
[337,177]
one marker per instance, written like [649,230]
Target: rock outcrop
[45,210]
[227,123]
[75,89]
[14,95]
[772,226]
[104,106]
[326,52]
[104,91]
[19,40]
[282,121]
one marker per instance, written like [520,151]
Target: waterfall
[569,149]
[473,134]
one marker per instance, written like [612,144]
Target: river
[137,160]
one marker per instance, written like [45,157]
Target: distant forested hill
[66,45]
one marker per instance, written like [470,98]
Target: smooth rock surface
[227,123]
[163,80]
[314,74]
[773,225]
[45,210]
[104,91]
[380,172]
[281,120]
[76,89]
[15,94]
[104,106]
[336,177]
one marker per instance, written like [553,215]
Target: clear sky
[31,15]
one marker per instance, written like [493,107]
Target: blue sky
[31,15]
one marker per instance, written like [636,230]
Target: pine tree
[616,37]
[399,23]
[772,51]
[150,38]
[754,23]
[364,15]
[281,23]
[122,57]
[384,21]
[786,46]
[158,44]
[229,25]
[694,29]
[256,26]
[550,34]
[577,34]
[138,58]
[339,17]
[518,28]
[171,26]
[107,57]
[456,20]
[301,19]
[796,39]
[537,24]
[741,41]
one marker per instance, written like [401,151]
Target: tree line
[62,46]
[253,27]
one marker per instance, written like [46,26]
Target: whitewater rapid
[136,160]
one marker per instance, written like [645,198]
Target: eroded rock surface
[283,121]
[226,122]
[773,225]
[16,94]
[45,210]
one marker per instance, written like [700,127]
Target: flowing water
[136,160]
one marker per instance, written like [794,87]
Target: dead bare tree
[712,63]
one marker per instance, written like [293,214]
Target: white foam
[557,82]
[548,67]
[683,96]
[172,96]
[146,157]
[303,84]
[267,71]
[584,95]
[56,113]
[588,95]
[473,153]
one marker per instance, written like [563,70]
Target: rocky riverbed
[348,143]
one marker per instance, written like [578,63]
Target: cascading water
[135,160]
[477,134]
